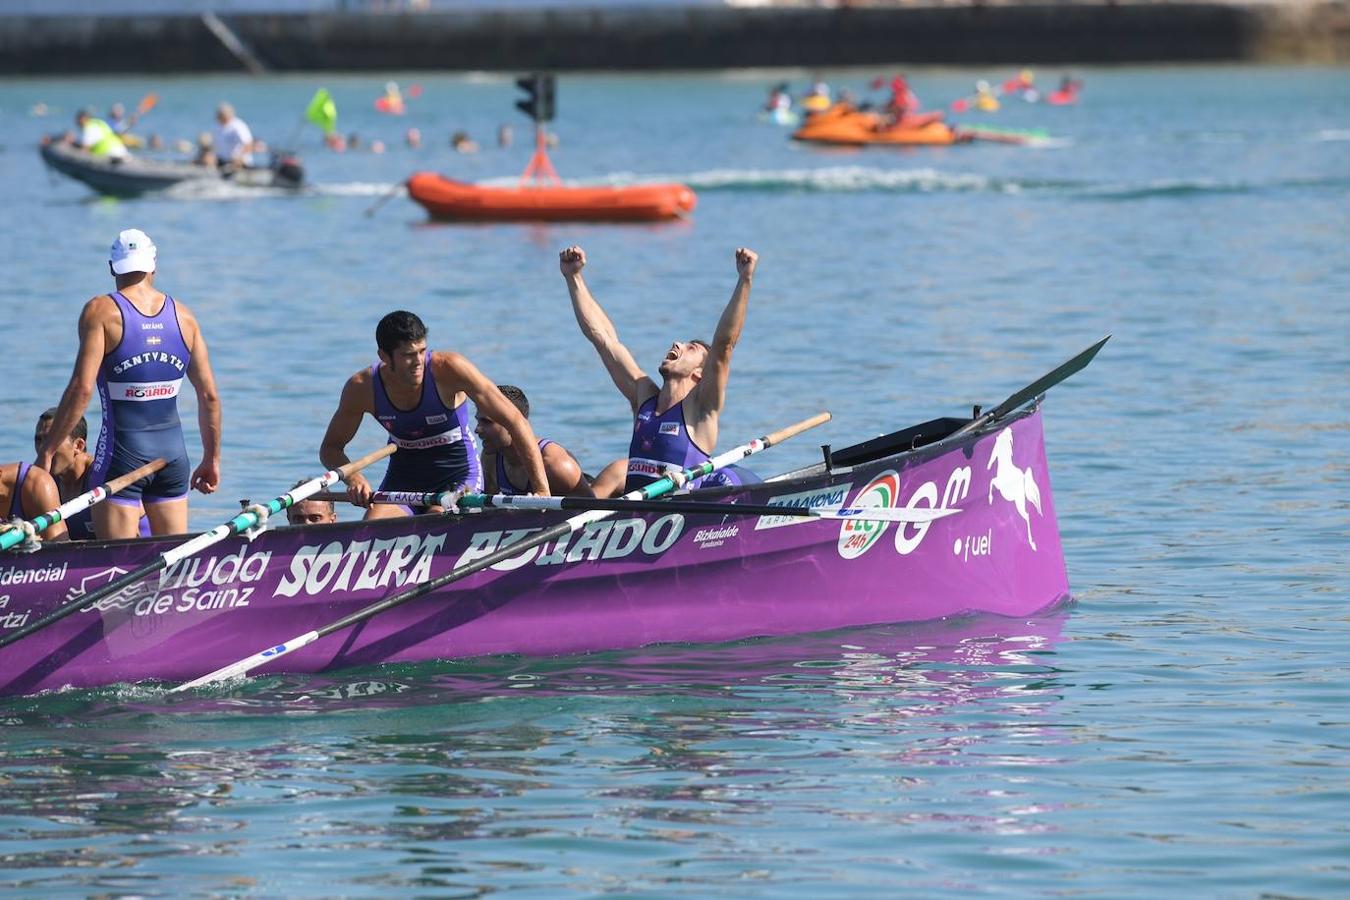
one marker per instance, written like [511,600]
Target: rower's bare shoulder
[450,361]
[99,308]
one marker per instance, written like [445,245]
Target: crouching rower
[420,397]
[675,425]
[71,467]
[136,345]
[504,469]
[27,492]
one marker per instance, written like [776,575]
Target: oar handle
[135,475]
[357,465]
[783,434]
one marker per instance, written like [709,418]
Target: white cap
[133,251]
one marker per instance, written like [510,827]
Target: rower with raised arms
[136,345]
[675,424]
[420,397]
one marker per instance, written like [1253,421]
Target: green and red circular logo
[856,537]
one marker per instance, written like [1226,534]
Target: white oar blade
[244,666]
[914,516]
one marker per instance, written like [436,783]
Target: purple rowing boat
[621,582]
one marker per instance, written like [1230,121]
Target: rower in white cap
[136,344]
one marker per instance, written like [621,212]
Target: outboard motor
[289,170]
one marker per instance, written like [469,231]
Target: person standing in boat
[675,424]
[71,467]
[233,140]
[136,346]
[27,492]
[504,469]
[420,397]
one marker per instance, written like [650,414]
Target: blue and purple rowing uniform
[16,498]
[436,447]
[729,477]
[81,524]
[138,384]
[504,485]
[658,443]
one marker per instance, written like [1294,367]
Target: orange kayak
[844,125]
[452,200]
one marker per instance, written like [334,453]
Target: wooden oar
[562,529]
[240,523]
[449,499]
[1033,390]
[81,503]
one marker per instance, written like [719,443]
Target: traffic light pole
[539,169]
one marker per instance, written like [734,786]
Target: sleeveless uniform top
[436,447]
[139,380]
[504,485]
[658,442]
[16,498]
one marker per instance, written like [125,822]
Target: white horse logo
[1016,485]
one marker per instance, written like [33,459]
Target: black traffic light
[540,96]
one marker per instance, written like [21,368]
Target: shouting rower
[675,424]
[504,469]
[136,344]
[421,398]
[72,465]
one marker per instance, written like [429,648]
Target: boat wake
[827,180]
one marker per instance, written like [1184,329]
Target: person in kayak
[420,397]
[675,424]
[72,465]
[97,137]
[504,470]
[136,346]
[233,139]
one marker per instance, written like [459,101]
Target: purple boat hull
[625,581]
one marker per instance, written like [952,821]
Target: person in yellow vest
[98,137]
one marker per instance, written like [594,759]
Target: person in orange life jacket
[136,346]
[420,397]
[504,469]
[675,424]
[71,469]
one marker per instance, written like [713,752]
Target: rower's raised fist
[745,261]
[572,260]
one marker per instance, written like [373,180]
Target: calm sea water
[1183,723]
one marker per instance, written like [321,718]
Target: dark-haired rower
[71,467]
[420,397]
[675,424]
[27,492]
[504,469]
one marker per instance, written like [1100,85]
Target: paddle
[240,523]
[80,503]
[1033,390]
[562,529]
[385,198]
[449,499]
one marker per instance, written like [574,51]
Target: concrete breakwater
[694,37]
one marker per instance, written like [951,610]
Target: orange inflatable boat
[459,201]
[844,125]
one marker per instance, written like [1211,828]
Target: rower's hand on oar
[676,475]
[571,261]
[207,476]
[746,260]
[358,490]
